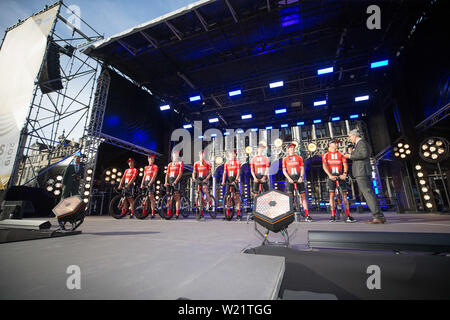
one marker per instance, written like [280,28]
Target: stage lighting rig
[434,149]
[402,150]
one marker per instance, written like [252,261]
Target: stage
[185,258]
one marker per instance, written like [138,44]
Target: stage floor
[160,259]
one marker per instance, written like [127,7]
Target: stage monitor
[133,115]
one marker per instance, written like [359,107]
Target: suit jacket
[69,179]
[361,160]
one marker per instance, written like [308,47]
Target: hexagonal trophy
[274,210]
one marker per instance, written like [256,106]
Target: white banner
[21,57]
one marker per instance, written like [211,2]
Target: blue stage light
[234,93]
[276,84]
[354,116]
[269,128]
[284,126]
[246,116]
[200,137]
[326,70]
[195,98]
[301,123]
[320,103]
[317,121]
[164,108]
[361,98]
[213,120]
[239,131]
[379,64]
[254,129]
[226,133]
[279,111]
[335,118]
[213,135]
[187,126]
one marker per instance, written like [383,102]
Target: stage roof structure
[212,47]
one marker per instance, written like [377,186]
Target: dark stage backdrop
[133,115]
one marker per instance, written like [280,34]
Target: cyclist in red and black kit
[231,173]
[294,170]
[201,175]
[148,181]
[173,177]
[335,166]
[127,182]
[259,166]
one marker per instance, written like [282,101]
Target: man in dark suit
[72,177]
[362,172]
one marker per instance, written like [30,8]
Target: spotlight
[86,193]
[114,170]
[165,107]
[234,93]
[107,179]
[57,192]
[87,186]
[59,178]
[119,174]
[325,70]
[85,200]
[248,150]
[418,167]
[213,120]
[246,116]
[400,144]
[424,189]
[113,176]
[422,182]
[58,185]
[312,147]
[426,197]
[320,103]
[195,98]
[434,149]
[88,178]
[280,111]
[187,126]
[108,173]
[276,84]
[89,171]
[378,64]
[219,160]
[361,98]
[158,182]
[420,174]
[317,121]
[278,142]
[429,205]
[141,169]
[49,188]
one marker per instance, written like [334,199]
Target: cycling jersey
[292,164]
[334,162]
[259,165]
[202,169]
[232,167]
[174,169]
[150,172]
[130,174]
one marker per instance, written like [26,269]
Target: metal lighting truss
[62,111]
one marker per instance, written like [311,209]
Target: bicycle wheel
[230,207]
[139,211]
[211,208]
[164,207]
[185,207]
[116,206]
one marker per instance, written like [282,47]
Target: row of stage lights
[278,84]
[424,187]
[284,125]
[54,185]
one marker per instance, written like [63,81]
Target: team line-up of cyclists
[333,162]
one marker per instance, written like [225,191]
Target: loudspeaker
[70,210]
[274,210]
[16,209]
[50,77]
